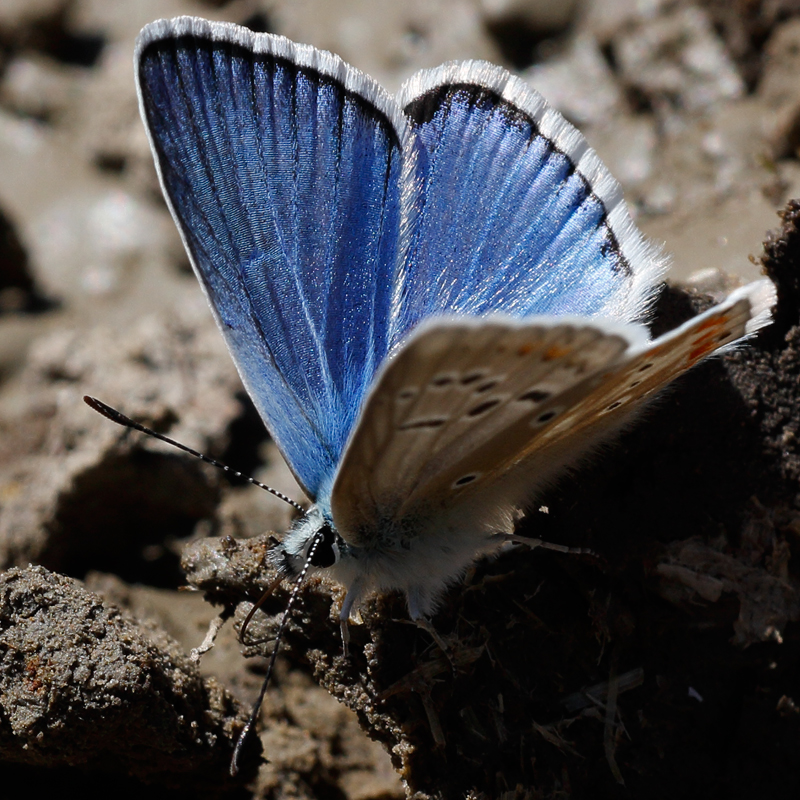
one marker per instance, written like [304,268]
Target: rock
[18,15]
[677,61]
[71,497]
[83,683]
[778,88]
[40,87]
[413,35]
[579,83]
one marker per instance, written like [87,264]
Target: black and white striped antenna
[117,416]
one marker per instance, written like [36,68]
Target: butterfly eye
[326,553]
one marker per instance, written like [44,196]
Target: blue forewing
[285,185]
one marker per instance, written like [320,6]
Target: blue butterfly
[434,299]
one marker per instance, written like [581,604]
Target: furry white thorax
[420,559]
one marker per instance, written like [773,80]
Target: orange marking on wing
[524,350]
[707,343]
[707,338]
[555,351]
[701,349]
[713,322]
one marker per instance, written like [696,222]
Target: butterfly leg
[352,596]
[533,543]
[415,605]
[345,636]
[426,625]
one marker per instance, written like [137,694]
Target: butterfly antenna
[115,416]
[250,725]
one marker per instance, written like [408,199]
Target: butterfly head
[312,540]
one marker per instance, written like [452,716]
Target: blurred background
[694,107]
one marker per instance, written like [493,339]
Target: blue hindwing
[510,224]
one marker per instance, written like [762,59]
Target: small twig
[214,628]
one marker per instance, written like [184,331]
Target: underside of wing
[519,215]
[603,404]
[453,392]
[283,168]
[480,417]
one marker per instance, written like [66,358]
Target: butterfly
[435,300]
